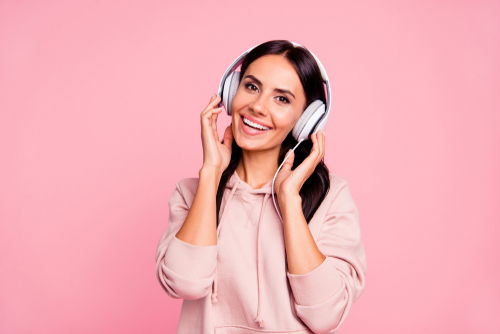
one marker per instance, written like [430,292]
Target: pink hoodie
[242,284]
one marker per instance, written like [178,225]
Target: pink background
[99,117]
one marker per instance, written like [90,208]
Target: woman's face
[270,94]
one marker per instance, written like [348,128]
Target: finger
[215,115]
[321,143]
[316,149]
[209,112]
[315,155]
[213,98]
[206,116]
[228,137]
[307,167]
[209,103]
[213,102]
[324,143]
[303,170]
[289,161]
[213,123]
[211,107]
[215,134]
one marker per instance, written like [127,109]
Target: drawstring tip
[260,321]
[214,298]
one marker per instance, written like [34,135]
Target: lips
[249,130]
[253,120]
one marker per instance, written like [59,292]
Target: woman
[238,267]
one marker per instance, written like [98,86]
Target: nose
[259,105]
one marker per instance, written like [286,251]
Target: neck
[256,168]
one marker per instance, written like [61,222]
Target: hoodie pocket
[248,330]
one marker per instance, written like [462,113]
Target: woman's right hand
[215,154]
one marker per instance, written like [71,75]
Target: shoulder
[337,203]
[188,185]
[337,179]
[185,189]
[337,184]
[337,197]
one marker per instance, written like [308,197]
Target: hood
[242,186]
[235,184]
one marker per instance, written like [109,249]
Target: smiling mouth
[253,125]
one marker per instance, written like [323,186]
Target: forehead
[275,71]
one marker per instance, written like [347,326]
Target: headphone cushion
[232,82]
[304,118]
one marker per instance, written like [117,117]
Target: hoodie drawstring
[214,294]
[260,280]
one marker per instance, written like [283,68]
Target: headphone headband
[240,59]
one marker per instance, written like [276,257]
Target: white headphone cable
[272,191]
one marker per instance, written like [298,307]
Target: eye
[285,101]
[249,84]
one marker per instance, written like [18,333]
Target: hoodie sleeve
[184,270]
[324,296]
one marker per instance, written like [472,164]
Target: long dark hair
[316,187]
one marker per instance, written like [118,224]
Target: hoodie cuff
[317,285]
[191,261]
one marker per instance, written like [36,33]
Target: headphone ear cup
[308,120]
[229,91]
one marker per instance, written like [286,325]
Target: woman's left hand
[290,182]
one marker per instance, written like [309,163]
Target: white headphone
[313,118]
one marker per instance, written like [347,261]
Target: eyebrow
[280,90]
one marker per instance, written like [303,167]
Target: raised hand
[290,182]
[215,154]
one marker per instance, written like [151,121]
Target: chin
[247,143]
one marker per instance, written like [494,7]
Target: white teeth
[255,125]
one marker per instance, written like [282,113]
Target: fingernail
[324,133]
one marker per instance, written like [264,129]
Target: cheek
[235,107]
[284,122]
[296,118]
[237,103]
[238,100]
